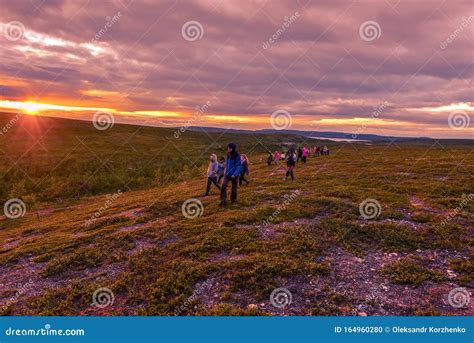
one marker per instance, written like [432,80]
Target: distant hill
[319,134]
[340,135]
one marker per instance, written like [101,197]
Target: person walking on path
[212,171]
[245,170]
[270,158]
[300,154]
[325,150]
[233,168]
[305,153]
[277,157]
[290,162]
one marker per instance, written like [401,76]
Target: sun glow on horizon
[32,107]
[243,121]
[35,107]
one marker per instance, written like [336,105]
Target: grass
[411,271]
[58,160]
[153,258]
[465,267]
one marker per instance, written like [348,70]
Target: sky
[400,68]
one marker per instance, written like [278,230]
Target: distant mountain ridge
[319,134]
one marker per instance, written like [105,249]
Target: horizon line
[133,122]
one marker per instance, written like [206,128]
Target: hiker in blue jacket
[233,169]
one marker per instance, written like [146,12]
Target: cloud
[318,67]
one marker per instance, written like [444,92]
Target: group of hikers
[302,154]
[235,167]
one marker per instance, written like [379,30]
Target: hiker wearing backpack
[233,168]
[245,170]
[270,158]
[221,169]
[290,162]
[212,171]
[300,154]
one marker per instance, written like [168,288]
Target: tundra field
[379,229]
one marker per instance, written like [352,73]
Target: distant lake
[341,139]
